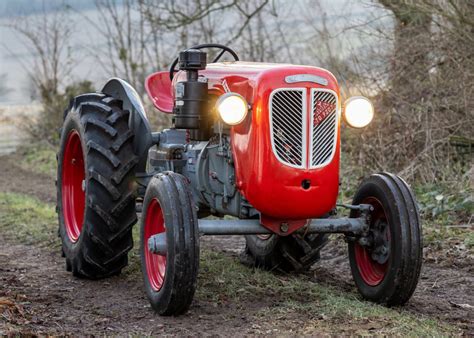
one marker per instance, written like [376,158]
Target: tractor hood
[246,77]
[286,154]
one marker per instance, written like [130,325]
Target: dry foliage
[417,67]
[425,124]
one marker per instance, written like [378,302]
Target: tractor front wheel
[169,270]
[386,262]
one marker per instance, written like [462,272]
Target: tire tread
[102,249]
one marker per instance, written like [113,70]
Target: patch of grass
[434,233]
[39,158]
[278,299]
[446,203]
[27,219]
[469,241]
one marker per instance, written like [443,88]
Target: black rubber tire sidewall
[72,122]
[154,190]
[101,249]
[182,235]
[382,290]
[405,258]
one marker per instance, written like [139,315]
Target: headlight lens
[358,111]
[232,108]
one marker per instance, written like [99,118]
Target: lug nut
[284,227]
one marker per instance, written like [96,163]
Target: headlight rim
[223,97]
[353,98]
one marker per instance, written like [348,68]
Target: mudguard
[138,120]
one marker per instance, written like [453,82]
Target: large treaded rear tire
[293,253]
[104,235]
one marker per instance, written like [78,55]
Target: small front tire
[387,270]
[170,278]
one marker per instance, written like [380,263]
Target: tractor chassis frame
[353,227]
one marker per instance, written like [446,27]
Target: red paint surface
[270,186]
[371,271]
[72,195]
[158,88]
[155,264]
[321,111]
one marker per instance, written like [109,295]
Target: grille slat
[287,118]
[323,126]
[325,131]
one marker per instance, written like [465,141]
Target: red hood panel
[272,187]
[244,77]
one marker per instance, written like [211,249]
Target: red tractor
[256,141]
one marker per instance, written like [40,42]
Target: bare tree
[199,21]
[410,60]
[4,90]
[47,36]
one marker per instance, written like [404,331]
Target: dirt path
[56,303]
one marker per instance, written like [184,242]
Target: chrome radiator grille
[324,127]
[288,112]
[289,123]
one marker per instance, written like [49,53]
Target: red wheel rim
[370,270]
[73,186]
[155,264]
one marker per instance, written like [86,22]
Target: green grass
[39,158]
[223,280]
[27,219]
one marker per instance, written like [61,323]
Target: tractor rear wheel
[170,273]
[291,253]
[386,265]
[95,186]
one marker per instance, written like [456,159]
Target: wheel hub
[372,252]
[73,186]
[155,235]
[380,248]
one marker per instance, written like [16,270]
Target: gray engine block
[209,167]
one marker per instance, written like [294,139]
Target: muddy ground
[53,302]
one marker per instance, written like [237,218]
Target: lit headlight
[232,108]
[358,111]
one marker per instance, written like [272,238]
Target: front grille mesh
[289,122]
[287,109]
[324,121]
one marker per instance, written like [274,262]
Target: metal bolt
[73,161]
[284,227]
